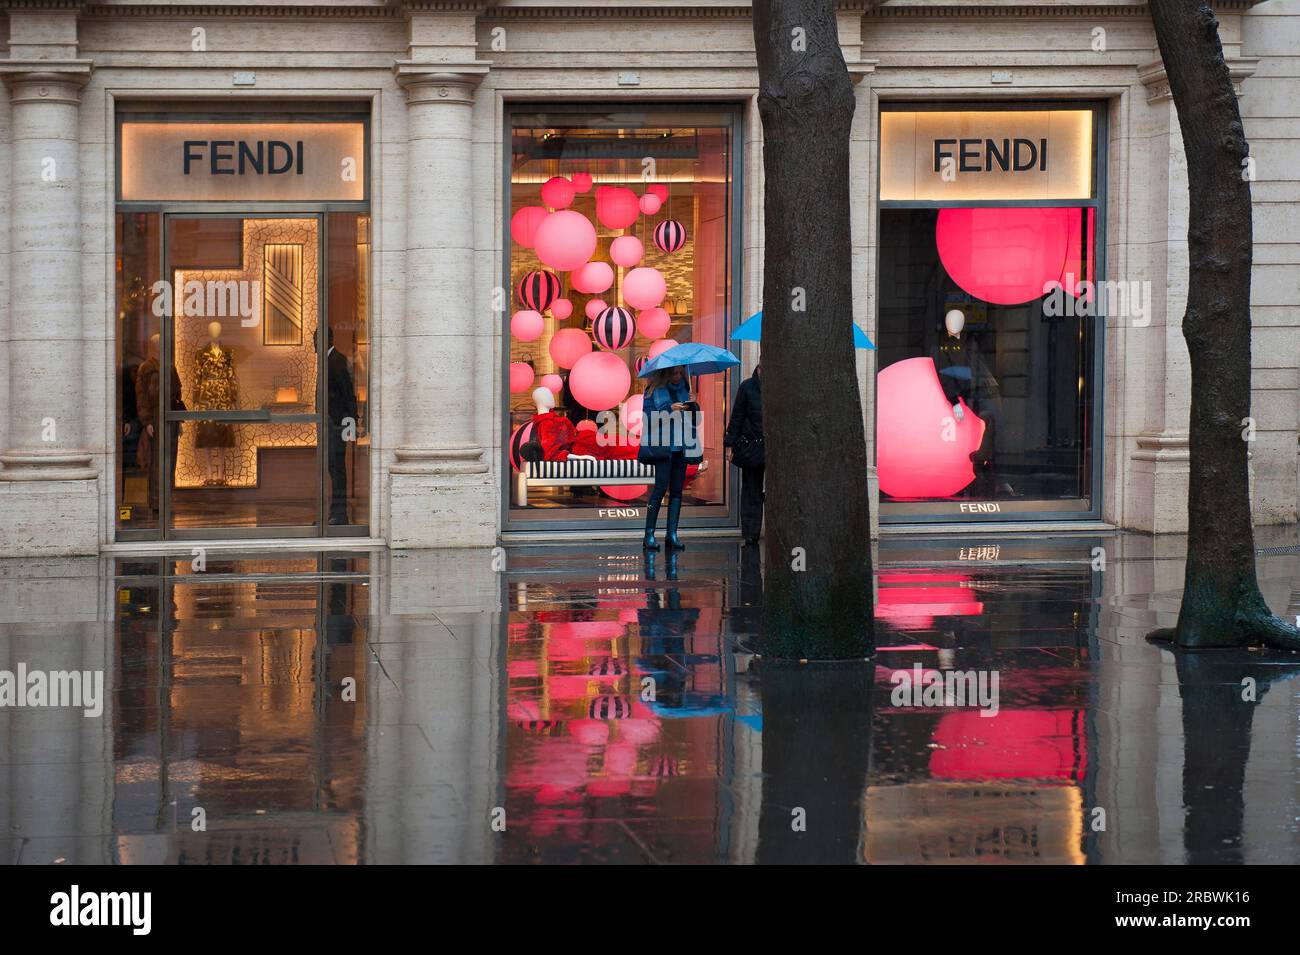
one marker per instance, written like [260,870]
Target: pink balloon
[565,240]
[643,287]
[561,308]
[599,380]
[581,181]
[521,376]
[624,492]
[592,278]
[568,345]
[557,192]
[616,207]
[626,251]
[659,347]
[527,325]
[586,425]
[594,308]
[913,459]
[653,323]
[650,203]
[658,189]
[553,383]
[524,223]
[632,414]
[1003,255]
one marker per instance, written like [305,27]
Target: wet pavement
[564,704]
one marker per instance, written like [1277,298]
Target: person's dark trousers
[751,502]
[338,467]
[670,476]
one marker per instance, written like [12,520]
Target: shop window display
[619,248]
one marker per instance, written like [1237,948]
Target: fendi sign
[242,161]
[986,154]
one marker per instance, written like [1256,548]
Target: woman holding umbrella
[667,400]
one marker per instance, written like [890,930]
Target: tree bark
[1222,605]
[817,583]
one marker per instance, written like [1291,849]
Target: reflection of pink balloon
[624,492]
[527,325]
[589,732]
[626,251]
[561,308]
[553,383]
[587,425]
[581,181]
[592,278]
[565,240]
[644,288]
[658,189]
[524,223]
[631,413]
[913,419]
[557,192]
[521,376]
[599,380]
[653,323]
[659,347]
[616,206]
[650,203]
[594,307]
[1003,255]
[568,345]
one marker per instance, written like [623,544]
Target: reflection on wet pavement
[559,704]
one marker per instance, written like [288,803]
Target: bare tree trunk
[817,585]
[1222,605]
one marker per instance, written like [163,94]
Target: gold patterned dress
[215,389]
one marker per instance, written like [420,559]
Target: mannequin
[215,389]
[555,433]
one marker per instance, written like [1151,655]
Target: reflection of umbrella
[751,330]
[694,358]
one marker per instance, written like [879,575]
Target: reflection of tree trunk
[813,429]
[816,757]
[1222,605]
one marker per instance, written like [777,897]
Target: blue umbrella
[751,330]
[692,357]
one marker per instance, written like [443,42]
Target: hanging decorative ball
[521,436]
[658,189]
[581,181]
[661,346]
[632,414]
[565,240]
[670,235]
[653,323]
[557,192]
[527,325]
[568,345]
[524,223]
[624,492]
[521,376]
[594,307]
[626,251]
[616,207]
[561,308]
[640,363]
[614,329]
[600,380]
[586,424]
[538,289]
[644,288]
[553,383]
[592,278]
[650,203]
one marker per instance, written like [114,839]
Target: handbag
[747,452]
[652,454]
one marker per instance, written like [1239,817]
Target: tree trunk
[817,584]
[1222,605]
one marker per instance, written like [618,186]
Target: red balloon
[624,492]
[616,206]
[1003,255]
[524,223]
[561,308]
[581,181]
[658,189]
[922,450]
[653,323]
[557,192]
[592,278]
[599,380]
[565,240]
[568,345]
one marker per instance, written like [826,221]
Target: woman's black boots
[651,519]
[674,514]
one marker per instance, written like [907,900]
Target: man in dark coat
[745,438]
[343,428]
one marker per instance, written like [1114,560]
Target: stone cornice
[880,9]
[1153,76]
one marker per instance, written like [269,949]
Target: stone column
[48,497]
[441,492]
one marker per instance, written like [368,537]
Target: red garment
[556,434]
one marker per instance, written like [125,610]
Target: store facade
[273,271]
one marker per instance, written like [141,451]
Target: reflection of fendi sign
[986,154]
[242,161]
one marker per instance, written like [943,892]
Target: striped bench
[579,471]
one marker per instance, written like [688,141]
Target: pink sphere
[913,460]
[600,380]
[626,251]
[658,189]
[659,347]
[527,325]
[561,308]
[565,240]
[653,323]
[524,223]
[594,307]
[592,278]
[521,376]
[1003,255]
[586,425]
[557,192]
[643,287]
[553,383]
[568,345]
[632,414]
[616,206]
[581,181]
[650,203]
[624,492]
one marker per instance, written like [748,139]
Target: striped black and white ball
[670,235]
[523,434]
[539,289]
[609,708]
[614,328]
[640,363]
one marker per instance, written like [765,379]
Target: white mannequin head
[154,341]
[214,331]
[544,400]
